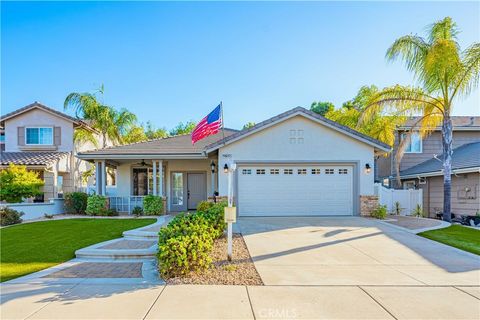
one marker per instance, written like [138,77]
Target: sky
[175,61]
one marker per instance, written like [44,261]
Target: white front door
[284,190]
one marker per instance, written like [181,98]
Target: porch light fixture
[212,165]
[368,169]
[225,168]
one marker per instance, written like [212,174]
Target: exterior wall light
[225,168]
[212,165]
[368,169]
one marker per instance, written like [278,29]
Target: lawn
[31,247]
[460,237]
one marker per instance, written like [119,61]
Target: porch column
[154,177]
[160,178]
[104,178]
[98,183]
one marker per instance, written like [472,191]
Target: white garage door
[295,190]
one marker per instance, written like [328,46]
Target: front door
[140,181]
[196,190]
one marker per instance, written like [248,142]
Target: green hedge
[98,206]
[152,205]
[186,242]
[76,202]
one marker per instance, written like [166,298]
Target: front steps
[136,244]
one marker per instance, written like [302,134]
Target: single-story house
[296,163]
[428,176]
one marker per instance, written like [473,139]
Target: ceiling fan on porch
[144,164]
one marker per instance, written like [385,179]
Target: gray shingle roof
[458,122]
[465,156]
[312,114]
[43,158]
[181,144]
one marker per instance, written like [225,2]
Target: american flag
[209,125]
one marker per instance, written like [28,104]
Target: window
[260,171]
[177,188]
[342,171]
[329,171]
[415,145]
[316,171]
[274,171]
[43,136]
[287,171]
[246,171]
[302,171]
[2,137]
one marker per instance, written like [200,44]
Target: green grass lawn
[30,247]
[460,237]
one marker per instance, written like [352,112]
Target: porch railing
[126,204]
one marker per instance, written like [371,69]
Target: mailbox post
[230,211]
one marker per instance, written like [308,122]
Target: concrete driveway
[352,251]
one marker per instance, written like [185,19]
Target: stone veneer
[368,203]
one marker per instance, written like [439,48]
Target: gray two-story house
[42,139]
[421,166]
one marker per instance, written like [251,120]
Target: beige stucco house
[296,163]
[42,139]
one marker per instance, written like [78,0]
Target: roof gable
[298,111]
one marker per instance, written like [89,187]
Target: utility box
[230,214]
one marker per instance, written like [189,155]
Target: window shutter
[57,136]
[21,136]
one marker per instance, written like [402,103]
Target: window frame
[416,134]
[38,128]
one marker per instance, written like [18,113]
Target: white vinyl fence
[408,199]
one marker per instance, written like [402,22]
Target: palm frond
[445,29]
[84,135]
[412,50]
[469,77]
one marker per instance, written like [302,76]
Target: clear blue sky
[171,62]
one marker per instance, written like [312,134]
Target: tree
[248,125]
[443,73]
[135,134]
[380,127]
[18,183]
[321,107]
[154,133]
[182,128]
[111,123]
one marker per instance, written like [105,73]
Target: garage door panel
[308,190]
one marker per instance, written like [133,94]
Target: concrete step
[122,248]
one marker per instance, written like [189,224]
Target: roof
[38,105]
[459,123]
[464,157]
[31,158]
[309,114]
[176,145]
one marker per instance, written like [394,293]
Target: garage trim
[354,163]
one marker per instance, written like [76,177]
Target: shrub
[203,206]
[380,212]
[97,205]
[184,245]
[9,216]
[216,217]
[137,211]
[76,202]
[397,209]
[418,211]
[18,183]
[152,205]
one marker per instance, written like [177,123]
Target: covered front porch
[182,183]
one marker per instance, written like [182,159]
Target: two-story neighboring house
[42,139]
[421,166]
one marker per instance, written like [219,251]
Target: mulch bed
[239,271]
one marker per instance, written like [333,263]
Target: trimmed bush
[216,217]
[380,212]
[9,216]
[152,205]
[97,206]
[76,202]
[184,245]
[203,206]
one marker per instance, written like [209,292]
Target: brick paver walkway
[129,244]
[100,270]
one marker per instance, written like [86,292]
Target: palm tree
[444,73]
[111,124]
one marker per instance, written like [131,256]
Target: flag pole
[223,123]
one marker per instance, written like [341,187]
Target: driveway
[352,251]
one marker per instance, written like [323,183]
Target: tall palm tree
[444,73]
[111,124]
